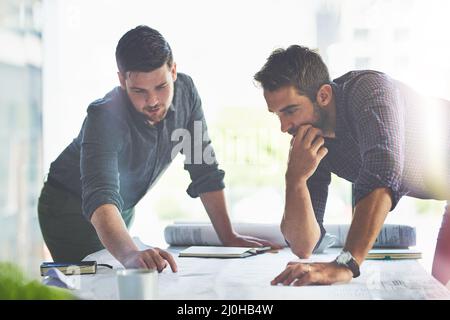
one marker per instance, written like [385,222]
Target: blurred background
[58,56]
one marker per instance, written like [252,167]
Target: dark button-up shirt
[380,140]
[118,156]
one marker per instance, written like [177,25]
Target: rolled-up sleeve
[202,164]
[380,130]
[101,142]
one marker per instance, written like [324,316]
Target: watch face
[344,258]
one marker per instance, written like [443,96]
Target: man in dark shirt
[127,140]
[366,128]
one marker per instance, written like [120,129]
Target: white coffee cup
[137,284]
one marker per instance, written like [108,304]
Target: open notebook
[221,252]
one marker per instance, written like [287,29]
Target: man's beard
[158,116]
[322,117]
[321,122]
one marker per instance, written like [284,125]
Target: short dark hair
[142,49]
[298,66]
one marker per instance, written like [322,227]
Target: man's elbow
[302,252]
[302,248]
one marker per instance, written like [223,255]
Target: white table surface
[249,278]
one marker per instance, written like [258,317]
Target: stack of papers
[221,252]
[393,254]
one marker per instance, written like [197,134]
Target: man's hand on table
[303,274]
[238,240]
[154,258]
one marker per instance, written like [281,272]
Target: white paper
[54,277]
[250,278]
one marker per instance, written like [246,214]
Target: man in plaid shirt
[366,128]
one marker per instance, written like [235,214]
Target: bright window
[221,45]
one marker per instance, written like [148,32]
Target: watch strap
[350,264]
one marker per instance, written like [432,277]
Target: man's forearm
[112,231]
[299,225]
[215,206]
[368,220]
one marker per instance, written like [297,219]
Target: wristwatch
[346,259]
